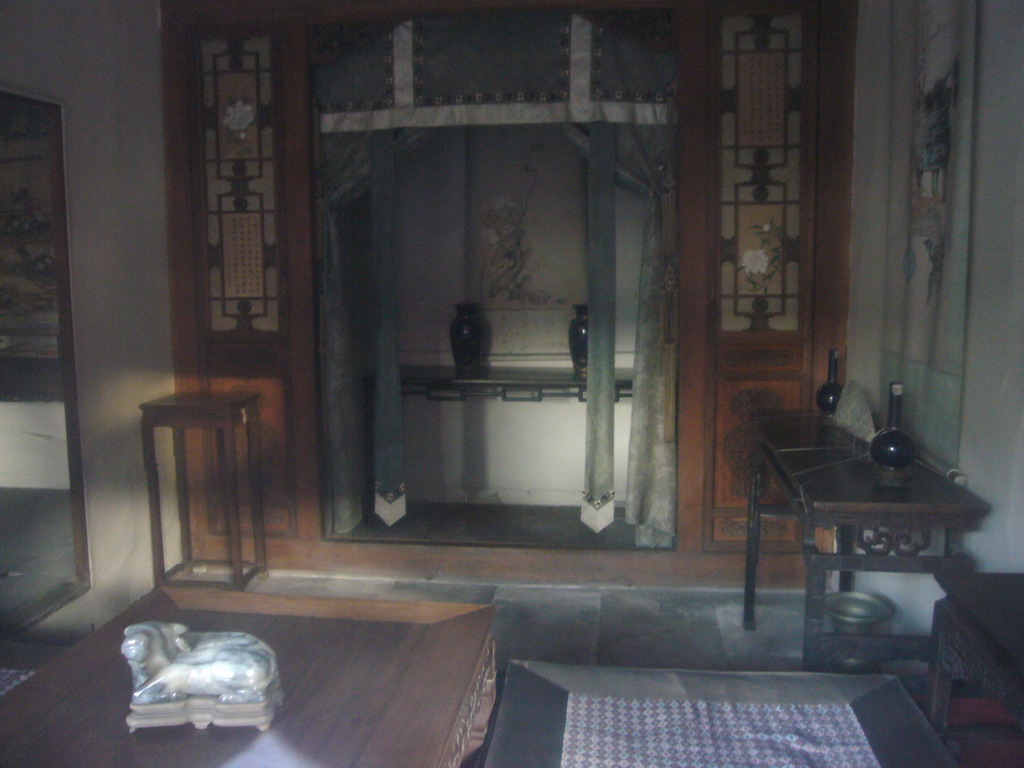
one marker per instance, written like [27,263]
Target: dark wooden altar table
[978,636]
[366,683]
[512,385]
[827,477]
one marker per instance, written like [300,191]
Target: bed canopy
[609,81]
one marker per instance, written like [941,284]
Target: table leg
[814,614]
[940,681]
[844,544]
[953,542]
[753,546]
[256,489]
[181,475]
[228,462]
[156,533]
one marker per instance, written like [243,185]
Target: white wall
[102,61]
[34,446]
[487,450]
[992,439]
[992,445]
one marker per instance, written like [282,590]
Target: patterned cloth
[11,677]
[611,732]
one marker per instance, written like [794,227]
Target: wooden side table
[227,416]
[827,475]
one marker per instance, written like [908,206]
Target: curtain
[498,68]
[344,177]
[598,510]
[645,162]
[389,483]
[353,269]
[649,154]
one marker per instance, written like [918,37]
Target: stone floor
[654,628]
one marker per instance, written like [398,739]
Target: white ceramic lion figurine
[169,663]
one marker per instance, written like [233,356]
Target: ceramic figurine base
[201,711]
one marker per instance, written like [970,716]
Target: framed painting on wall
[31,232]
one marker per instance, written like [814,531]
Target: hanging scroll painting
[526,214]
[30,236]
[927,296]
[28,290]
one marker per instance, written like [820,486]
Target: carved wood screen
[759,306]
[239,155]
[764,257]
[240,275]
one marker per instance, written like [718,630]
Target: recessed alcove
[500,467]
[503,216]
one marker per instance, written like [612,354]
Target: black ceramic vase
[827,397]
[578,341]
[892,449]
[466,334]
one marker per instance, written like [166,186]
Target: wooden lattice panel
[238,154]
[759,142]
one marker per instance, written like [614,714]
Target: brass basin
[856,613]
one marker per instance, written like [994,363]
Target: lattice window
[760,172]
[238,155]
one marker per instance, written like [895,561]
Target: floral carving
[239,117]
[759,265]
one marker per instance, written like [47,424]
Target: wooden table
[228,416]
[978,635]
[828,479]
[366,684]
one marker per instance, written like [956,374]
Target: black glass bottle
[466,334]
[892,449]
[828,393]
[578,341]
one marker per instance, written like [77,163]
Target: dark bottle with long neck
[892,449]
[466,335]
[827,397]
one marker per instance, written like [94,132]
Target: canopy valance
[490,69]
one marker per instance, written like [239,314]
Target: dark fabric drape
[351,277]
[645,159]
[649,154]
[599,490]
[343,365]
[389,482]
[605,80]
